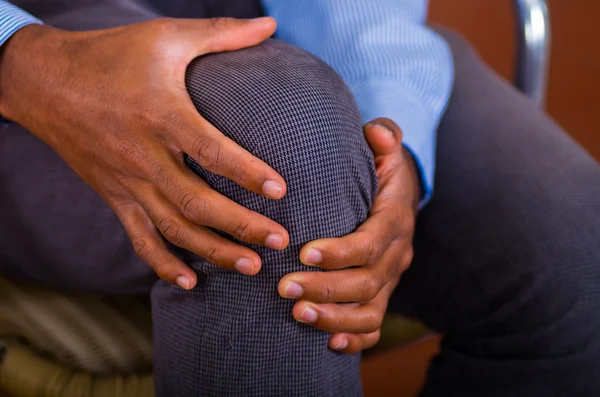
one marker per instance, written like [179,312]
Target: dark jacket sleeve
[89,14]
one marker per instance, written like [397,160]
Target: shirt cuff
[12,19]
[385,98]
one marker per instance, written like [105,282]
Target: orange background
[573,101]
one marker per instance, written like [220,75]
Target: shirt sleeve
[394,65]
[12,19]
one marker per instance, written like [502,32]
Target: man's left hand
[351,300]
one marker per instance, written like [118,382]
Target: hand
[113,104]
[366,264]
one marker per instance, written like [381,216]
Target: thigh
[55,229]
[506,253]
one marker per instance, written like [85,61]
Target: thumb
[383,136]
[228,34]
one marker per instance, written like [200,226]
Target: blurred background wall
[573,101]
[574,87]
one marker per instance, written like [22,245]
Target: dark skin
[368,263]
[126,137]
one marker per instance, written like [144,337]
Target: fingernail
[244,265]
[183,282]
[309,315]
[313,257]
[342,344]
[272,189]
[292,290]
[384,128]
[259,19]
[389,133]
[274,241]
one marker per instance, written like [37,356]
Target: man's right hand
[113,104]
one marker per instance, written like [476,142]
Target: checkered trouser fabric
[233,335]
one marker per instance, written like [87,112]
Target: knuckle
[144,115]
[377,321]
[242,231]
[344,253]
[131,152]
[211,254]
[334,322]
[165,40]
[239,172]
[372,322]
[171,229]
[188,204]
[407,258]
[165,26]
[207,153]
[406,224]
[373,252]
[161,175]
[220,23]
[201,212]
[371,287]
[141,246]
[329,294]
[153,119]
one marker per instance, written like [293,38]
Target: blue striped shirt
[12,19]
[395,66]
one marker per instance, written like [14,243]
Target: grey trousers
[507,253]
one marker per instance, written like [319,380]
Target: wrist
[18,60]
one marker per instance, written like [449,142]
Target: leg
[507,259]
[55,230]
[233,335]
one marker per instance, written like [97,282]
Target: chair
[31,361]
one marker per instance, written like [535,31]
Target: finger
[222,156]
[388,221]
[360,284]
[391,218]
[355,285]
[226,34]
[351,318]
[383,136]
[150,247]
[181,232]
[202,205]
[363,247]
[353,343]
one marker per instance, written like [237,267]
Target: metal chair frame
[533,35]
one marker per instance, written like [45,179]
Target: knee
[295,113]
